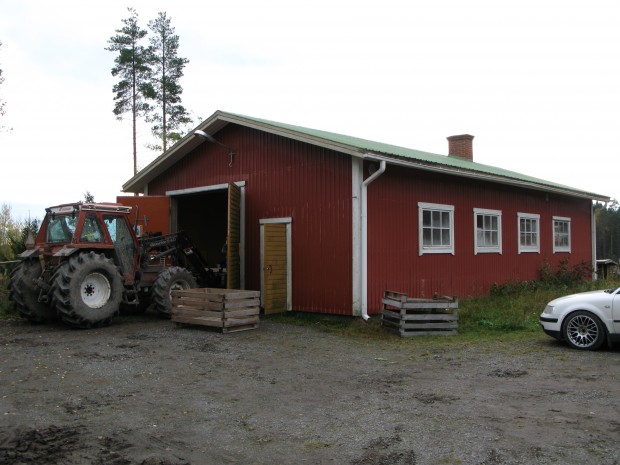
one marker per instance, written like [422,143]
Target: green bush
[565,274]
[5,307]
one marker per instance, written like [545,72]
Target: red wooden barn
[322,222]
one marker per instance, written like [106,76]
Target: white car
[586,320]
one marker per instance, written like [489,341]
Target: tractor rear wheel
[25,294]
[171,279]
[87,290]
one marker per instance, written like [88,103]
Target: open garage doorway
[213,218]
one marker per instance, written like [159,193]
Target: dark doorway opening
[204,217]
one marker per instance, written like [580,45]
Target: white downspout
[593,229]
[365,184]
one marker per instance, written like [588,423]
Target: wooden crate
[418,317]
[228,309]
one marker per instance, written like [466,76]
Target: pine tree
[132,66]
[170,116]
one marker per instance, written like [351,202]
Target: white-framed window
[561,234]
[529,232]
[487,231]
[435,228]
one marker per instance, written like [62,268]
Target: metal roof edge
[355,147]
[542,185]
[291,132]
[168,158]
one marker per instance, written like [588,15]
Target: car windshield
[60,228]
[611,291]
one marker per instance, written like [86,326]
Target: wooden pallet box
[229,309]
[419,317]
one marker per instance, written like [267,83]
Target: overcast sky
[537,82]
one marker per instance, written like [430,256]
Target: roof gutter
[490,177]
[220,119]
[364,199]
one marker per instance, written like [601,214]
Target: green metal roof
[452,163]
[354,146]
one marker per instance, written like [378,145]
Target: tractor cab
[104,227]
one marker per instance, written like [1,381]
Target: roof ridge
[406,153]
[356,146]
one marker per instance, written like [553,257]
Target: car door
[616,311]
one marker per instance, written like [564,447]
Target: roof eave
[179,150]
[292,134]
[477,175]
[212,125]
[220,119]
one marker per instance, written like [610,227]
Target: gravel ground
[147,392]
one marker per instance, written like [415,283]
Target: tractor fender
[29,253]
[65,252]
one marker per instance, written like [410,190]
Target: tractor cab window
[91,231]
[60,228]
[123,240]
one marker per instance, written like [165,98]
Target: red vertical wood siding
[394,260]
[312,185]
[284,178]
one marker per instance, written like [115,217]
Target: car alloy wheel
[584,331]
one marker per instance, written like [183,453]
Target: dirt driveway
[145,391]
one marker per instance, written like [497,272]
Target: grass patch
[510,314]
[344,325]
[516,307]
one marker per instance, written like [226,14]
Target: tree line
[607,230]
[14,234]
[149,70]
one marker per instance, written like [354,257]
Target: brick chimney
[461,146]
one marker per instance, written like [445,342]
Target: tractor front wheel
[171,279]
[24,293]
[87,290]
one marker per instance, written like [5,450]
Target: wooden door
[233,238]
[275,268]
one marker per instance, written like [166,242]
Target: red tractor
[87,262]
